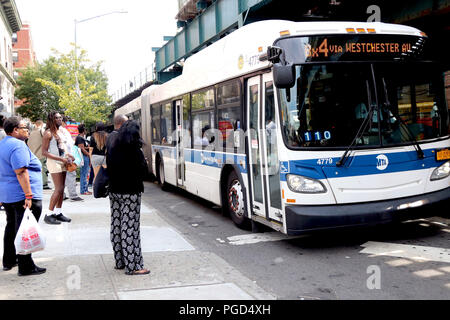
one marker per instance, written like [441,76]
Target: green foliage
[51,85]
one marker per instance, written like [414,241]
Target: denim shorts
[97,160]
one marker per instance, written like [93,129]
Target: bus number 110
[318,136]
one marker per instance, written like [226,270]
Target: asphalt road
[400,261]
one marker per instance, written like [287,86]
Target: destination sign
[352,48]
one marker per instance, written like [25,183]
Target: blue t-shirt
[14,155]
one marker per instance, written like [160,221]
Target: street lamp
[76,22]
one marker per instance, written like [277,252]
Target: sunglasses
[23,128]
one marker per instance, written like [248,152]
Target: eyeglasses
[24,128]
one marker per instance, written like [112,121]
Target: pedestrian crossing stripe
[412,252]
[258,237]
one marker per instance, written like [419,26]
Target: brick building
[23,54]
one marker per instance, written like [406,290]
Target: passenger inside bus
[203,140]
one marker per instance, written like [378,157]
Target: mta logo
[382,162]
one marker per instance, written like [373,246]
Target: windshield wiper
[411,137]
[362,128]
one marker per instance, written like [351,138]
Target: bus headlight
[442,172]
[304,185]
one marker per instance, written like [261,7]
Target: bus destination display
[361,48]
[352,48]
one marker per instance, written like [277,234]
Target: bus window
[187,120]
[203,125]
[229,122]
[229,94]
[229,112]
[414,95]
[272,150]
[203,118]
[167,124]
[156,124]
[203,100]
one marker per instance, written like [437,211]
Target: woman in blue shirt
[20,188]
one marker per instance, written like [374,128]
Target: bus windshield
[330,101]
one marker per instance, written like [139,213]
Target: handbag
[101,183]
[71,167]
[30,237]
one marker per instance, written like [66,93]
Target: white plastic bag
[30,237]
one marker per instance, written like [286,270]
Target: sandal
[138,272]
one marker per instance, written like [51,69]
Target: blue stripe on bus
[169,152]
[207,158]
[359,165]
[215,159]
[355,166]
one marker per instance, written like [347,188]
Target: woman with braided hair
[55,150]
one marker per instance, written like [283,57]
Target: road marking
[416,253]
[258,237]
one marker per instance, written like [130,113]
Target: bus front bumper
[304,219]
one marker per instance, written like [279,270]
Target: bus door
[264,173]
[180,143]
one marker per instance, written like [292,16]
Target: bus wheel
[162,176]
[235,202]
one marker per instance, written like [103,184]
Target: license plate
[443,155]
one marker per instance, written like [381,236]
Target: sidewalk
[80,264]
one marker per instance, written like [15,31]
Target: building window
[15,56]
[14,38]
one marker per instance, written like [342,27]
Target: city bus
[305,126]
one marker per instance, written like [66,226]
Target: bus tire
[161,175]
[235,203]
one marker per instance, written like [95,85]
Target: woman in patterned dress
[126,167]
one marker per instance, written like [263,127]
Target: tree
[38,99]
[51,85]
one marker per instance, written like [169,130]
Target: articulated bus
[305,126]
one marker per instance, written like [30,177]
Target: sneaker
[87,194]
[51,219]
[46,188]
[62,218]
[76,199]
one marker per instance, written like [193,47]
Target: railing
[181,3]
[134,83]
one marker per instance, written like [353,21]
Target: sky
[123,41]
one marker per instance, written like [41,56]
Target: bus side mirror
[283,71]
[284,75]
